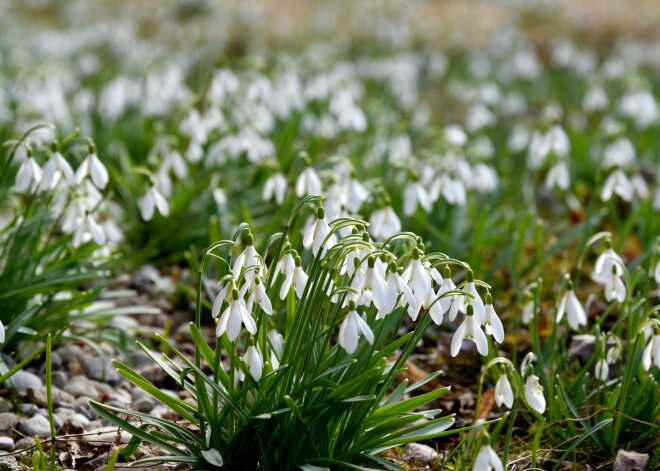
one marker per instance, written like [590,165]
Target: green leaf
[213,456]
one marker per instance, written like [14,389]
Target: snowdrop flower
[613,354]
[446,286]
[656,272]
[455,135]
[153,199]
[570,305]
[87,231]
[56,165]
[640,187]
[620,153]
[469,329]
[485,178]
[228,287]
[275,186]
[503,391]
[350,330]
[606,263]
[413,195]
[287,262]
[234,316]
[602,370]
[652,353]
[595,99]
[175,161]
[614,287]
[479,116]
[617,183]
[384,223]
[395,287]
[357,195]
[371,287]
[277,343]
[461,302]
[487,460]
[558,141]
[308,183]
[2,333]
[528,310]
[296,278]
[418,278]
[492,323]
[316,234]
[253,360]
[534,394]
[93,167]
[558,176]
[29,173]
[258,295]
[249,257]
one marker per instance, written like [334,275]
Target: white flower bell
[469,329]
[151,201]
[350,330]
[534,394]
[487,460]
[253,360]
[316,234]
[652,353]
[384,223]
[492,322]
[503,391]
[93,167]
[276,187]
[234,317]
[574,310]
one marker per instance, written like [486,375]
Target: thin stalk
[49,400]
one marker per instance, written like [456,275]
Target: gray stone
[6,405]
[70,428]
[29,409]
[84,409]
[81,386]
[81,419]
[24,443]
[166,413]
[420,455]
[6,443]
[122,396]
[65,414]
[56,360]
[100,369]
[36,425]
[60,379]
[70,352]
[37,395]
[24,379]
[8,421]
[144,404]
[630,461]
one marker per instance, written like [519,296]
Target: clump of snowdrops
[307,351]
[57,234]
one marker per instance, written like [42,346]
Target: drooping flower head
[469,329]
[534,394]
[574,310]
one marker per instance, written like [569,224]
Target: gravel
[36,425]
[24,379]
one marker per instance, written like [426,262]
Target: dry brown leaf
[487,403]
